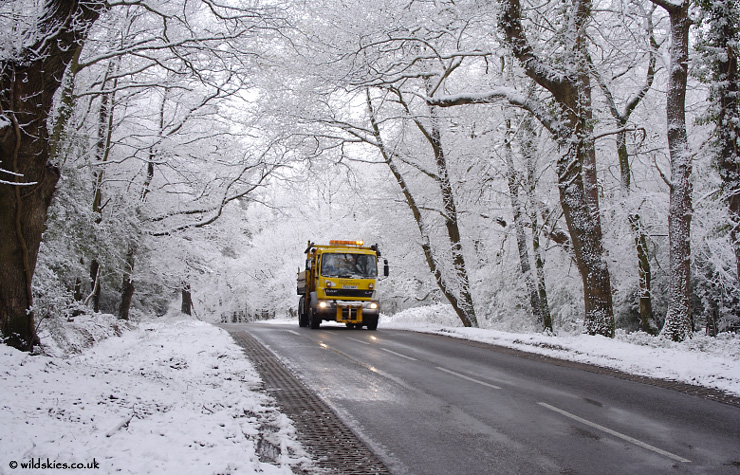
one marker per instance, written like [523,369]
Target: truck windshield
[348,265]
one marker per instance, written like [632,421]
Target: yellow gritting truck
[338,284]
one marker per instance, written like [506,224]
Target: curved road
[433,405]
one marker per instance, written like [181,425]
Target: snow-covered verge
[173,395]
[701,360]
[163,396]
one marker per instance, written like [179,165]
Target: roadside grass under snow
[162,396]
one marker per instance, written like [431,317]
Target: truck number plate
[349,287]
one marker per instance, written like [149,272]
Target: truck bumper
[347,311]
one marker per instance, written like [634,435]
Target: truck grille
[349,293]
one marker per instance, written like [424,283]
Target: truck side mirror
[386,270]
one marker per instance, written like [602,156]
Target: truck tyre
[313,320]
[302,317]
[372,323]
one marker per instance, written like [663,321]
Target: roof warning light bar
[346,243]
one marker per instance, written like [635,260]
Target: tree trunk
[621,119]
[519,228]
[127,287]
[451,218]
[187,299]
[27,86]
[102,148]
[426,247]
[585,232]
[644,275]
[95,284]
[78,290]
[539,265]
[678,319]
[528,151]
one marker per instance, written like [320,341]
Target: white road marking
[627,438]
[398,354]
[468,378]
[291,331]
[358,341]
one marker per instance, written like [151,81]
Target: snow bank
[701,360]
[170,396]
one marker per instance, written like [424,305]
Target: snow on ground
[165,396]
[702,360]
[173,395]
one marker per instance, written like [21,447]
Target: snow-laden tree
[150,107]
[38,42]
[718,46]
[562,68]
[677,324]
[622,113]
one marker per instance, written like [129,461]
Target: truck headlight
[373,305]
[323,304]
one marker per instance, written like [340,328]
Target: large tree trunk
[678,319]
[27,86]
[584,227]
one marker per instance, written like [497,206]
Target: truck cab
[339,284]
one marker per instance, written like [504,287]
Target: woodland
[535,165]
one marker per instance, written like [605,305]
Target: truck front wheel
[313,320]
[302,316]
[372,322]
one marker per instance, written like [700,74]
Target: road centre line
[358,341]
[468,378]
[624,437]
[398,354]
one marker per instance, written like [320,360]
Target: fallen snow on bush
[701,360]
[168,396]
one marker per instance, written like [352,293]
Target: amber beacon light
[346,243]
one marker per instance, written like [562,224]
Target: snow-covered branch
[14,183]
[510,95]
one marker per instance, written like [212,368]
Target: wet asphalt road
[429,405]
